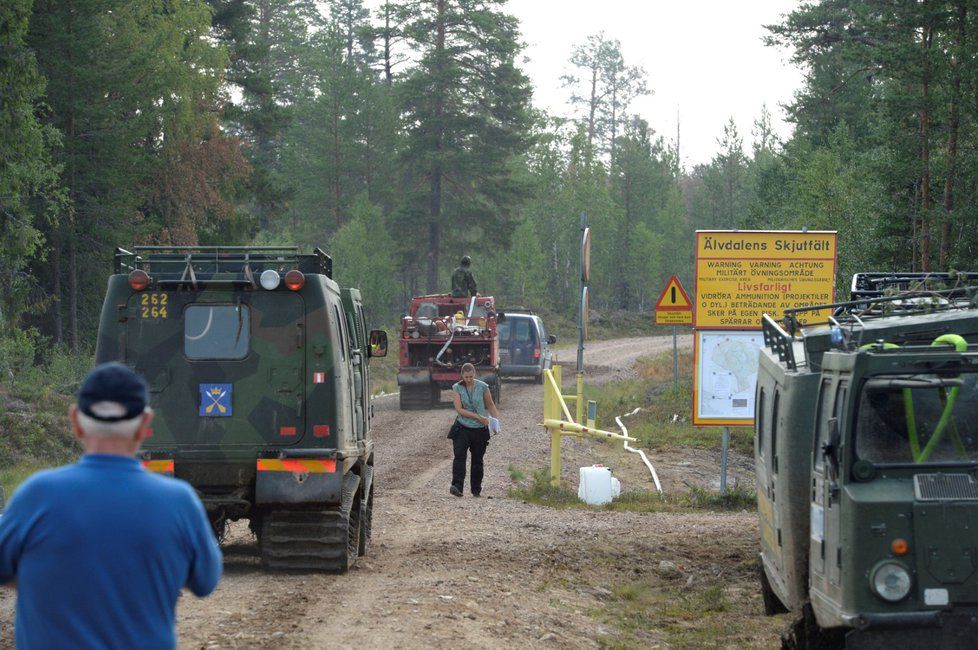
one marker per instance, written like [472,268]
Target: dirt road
[450,572]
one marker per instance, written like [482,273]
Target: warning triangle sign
[673,297]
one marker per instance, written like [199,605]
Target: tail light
[138,280]
[294,280]
[536,353]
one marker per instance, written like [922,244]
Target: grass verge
[540,492]
[665,420]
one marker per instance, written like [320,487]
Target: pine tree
[28,179]
[466,117]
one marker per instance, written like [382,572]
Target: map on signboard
[726,375]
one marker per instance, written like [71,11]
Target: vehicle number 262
[153,305]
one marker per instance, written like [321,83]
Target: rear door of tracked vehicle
[225,367]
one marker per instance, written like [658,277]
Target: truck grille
[945,487]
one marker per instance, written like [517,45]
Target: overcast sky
[703,57]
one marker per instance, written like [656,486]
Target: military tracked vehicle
[256,362]
[438,335]
[866,456]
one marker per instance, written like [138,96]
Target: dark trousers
[464,441]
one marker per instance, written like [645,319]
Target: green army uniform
[463,284]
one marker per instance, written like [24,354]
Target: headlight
[890,581]
[269,279]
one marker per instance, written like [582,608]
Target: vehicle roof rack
[875,284]
[169,263]
[800,344]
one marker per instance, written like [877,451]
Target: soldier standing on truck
[463,284]
[101,549]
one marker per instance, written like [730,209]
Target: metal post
[725,442]
[579,407]
[675,362]
[555,457]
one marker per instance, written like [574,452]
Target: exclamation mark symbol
[673,291]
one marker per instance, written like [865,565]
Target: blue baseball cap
[112,392]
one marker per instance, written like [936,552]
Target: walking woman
[473,400]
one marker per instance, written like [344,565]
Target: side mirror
[551,339]
[378,343]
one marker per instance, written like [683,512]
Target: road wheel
[772,604]
[805,634]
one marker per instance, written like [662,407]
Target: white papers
[493,425]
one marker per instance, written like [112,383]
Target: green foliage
[354,246]
[28,179]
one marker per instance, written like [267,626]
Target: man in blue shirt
[100,550]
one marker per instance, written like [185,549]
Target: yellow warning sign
[673,306]
[740,275]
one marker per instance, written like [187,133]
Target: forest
[400,135]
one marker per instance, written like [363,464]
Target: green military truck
[866,456]
[256,362]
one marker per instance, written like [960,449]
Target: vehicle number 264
[153,305]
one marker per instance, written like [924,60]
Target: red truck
[438,335]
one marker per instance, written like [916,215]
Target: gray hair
[93,428]
[467,367]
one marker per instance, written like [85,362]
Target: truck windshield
[921,418]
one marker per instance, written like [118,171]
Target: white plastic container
[597,487]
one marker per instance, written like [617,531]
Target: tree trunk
[593,107]
[56,289]
[73,287]
[625,245]
[434,222]
[388,76]
[952,142]
[263,138]
[614,124]
[925,197]
[337,184]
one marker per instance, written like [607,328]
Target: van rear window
[216,331]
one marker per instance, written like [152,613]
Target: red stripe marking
[320,430]
[286,431]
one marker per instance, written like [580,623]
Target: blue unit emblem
[215,400]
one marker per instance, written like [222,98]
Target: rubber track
[312,540]
[366,512]
[415,398]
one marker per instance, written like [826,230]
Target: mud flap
[300,487]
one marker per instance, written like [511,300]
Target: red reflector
[321,430]
[319,377]
[294,280]
[138,280]
[286,431]
[536,353]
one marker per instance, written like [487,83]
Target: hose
[960,345]
[645,459]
